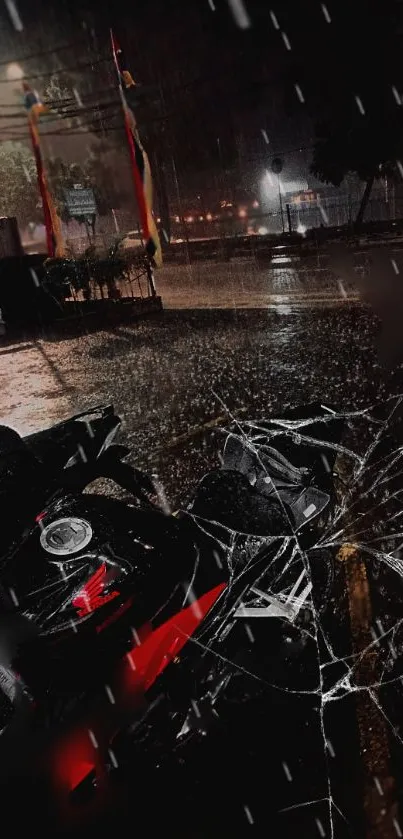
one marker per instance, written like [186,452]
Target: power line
[33,55]
[68,113]
[73,68]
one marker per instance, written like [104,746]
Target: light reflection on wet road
[244,283]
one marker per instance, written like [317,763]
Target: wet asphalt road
[228,344]
[177,376]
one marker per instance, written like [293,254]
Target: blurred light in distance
[14,72]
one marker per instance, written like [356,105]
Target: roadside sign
[80,202]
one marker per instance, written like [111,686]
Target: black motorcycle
[89,581]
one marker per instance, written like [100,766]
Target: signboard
[80,202]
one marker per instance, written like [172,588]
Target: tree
[347,63]
[367,144]
[19,194]
[103,177]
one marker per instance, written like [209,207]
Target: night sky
[223,96]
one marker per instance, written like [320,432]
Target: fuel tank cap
[66,536]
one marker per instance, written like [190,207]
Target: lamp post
[277,168]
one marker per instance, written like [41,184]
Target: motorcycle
[114,612]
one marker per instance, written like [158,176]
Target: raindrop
[193,600]
[287,772]
[211,4]
[325,11]
[249,633]
[374,635]
[89,428]
[299,92]
[82,453]
[14,15]
[274,20]
[400,167]
[396,825]
[27,173]
[286,40]
[241,16]
[93,738]
[248,814]
[135,636]
[342,289]
[378,786]
[323,213]
[395,266]
[396,94]
[161,495]
[330,748]
[130,660]
[110,694]
[113,758]
[195,708]
[360,106]
[325,463]
[380,626]
[77,97]
[35,276]
[319,825]
[265,135]
[13,596]
[217,558]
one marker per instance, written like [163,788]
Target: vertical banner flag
[139,159]
[54,237]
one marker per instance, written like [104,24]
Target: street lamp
[277,168]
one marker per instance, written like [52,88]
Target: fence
[326,213]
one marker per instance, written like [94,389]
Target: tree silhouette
[352,84]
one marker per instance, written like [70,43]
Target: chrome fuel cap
[66,536]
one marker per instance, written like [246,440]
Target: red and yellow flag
[139,158]
[54,236]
